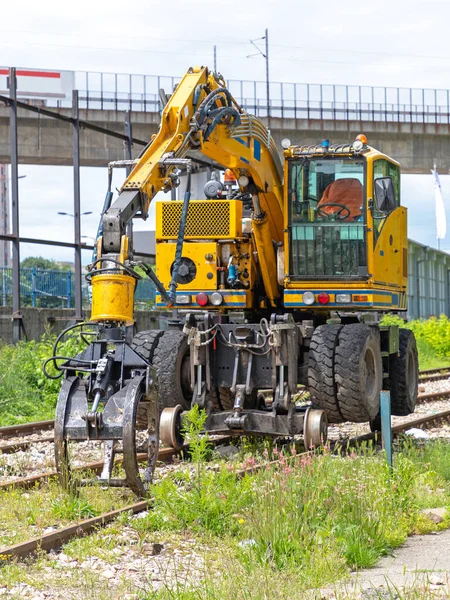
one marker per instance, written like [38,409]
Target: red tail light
[323,298]
[202,299]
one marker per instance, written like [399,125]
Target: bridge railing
[123,92]
[119,92]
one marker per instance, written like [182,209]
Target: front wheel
[358,373]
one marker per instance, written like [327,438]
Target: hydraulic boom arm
[202,115]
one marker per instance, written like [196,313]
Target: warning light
[360,298]
[229,177]
[362,138]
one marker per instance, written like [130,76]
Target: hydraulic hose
[106,206]
[180,239]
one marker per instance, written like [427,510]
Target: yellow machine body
[207,219]
[204,258]
[213,236]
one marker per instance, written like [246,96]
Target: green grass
[27,513]
[279,533]
[25,393]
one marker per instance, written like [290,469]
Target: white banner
[441,219]
[39,84]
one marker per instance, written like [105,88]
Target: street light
[88,212]
[89,237]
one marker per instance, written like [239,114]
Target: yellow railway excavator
[280,278]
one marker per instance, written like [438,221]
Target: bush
[432,335]
[25,393]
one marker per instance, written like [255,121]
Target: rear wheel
[358,373]
[145,343]
[321,383]
[172,363]
[403,378]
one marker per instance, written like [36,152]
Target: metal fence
[119,92]
[428,281]
[55,289]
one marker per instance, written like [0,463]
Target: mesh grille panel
[206,219]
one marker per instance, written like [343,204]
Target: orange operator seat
[346,192]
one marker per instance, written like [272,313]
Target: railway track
[55,539]
[441,374]
[27,429]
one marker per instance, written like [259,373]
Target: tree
[46,264]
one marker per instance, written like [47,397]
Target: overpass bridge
[411,125]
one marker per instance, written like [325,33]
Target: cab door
[389,226]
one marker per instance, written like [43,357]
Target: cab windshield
[324,190]
[327,218]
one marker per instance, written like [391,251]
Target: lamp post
[4,212]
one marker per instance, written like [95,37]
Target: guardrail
[113,91]
[55,289]
[124,92]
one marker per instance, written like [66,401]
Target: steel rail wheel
[170,427]
[62,458]
[315,428]
[139,436]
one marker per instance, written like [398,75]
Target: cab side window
[386,191]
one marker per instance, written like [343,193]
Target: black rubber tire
[321,380]
[358,373]
[403,380]
[168,356]
[145,343]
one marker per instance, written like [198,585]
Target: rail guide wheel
[135,419]
[315,428]
[170,427]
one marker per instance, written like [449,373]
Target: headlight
[243,181]
[343,298]
[285,143]
[308,298]
[183,299]
[216,299]
[357,145]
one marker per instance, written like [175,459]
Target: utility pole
[265,55]
[267,76]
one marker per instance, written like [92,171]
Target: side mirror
[385,194]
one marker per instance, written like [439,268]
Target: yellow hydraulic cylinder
[113,298]
[266,256]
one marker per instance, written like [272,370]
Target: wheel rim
[170,427]
[412,373]
[315,428]
[185,376]
[370,372]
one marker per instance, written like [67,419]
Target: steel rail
[21,446]
[422,398]
[25,428]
